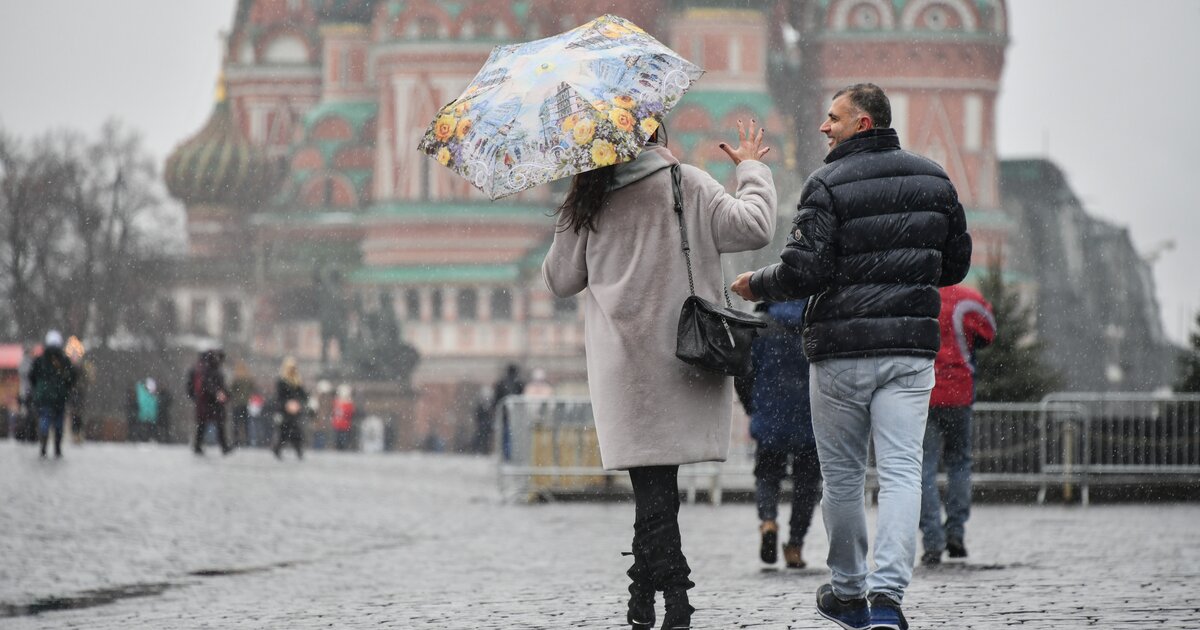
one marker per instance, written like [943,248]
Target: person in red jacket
[967,324]
[343,416]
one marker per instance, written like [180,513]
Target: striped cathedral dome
[220,166]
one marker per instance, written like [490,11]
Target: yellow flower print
[584,130]
[444,127]
[601,105]
[569,122]
[462,108]
[443,156]
[613,31]
[464,128]
[649,126]
[603,153]
[624,101]
[622,119]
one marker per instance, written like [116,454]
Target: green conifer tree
[1012,368]
[1189,363]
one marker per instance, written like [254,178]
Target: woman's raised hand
[750,146]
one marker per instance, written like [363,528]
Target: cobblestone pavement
[121,536]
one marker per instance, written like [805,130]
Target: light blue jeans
[948,431]
[886,397]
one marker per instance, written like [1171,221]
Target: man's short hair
[870,99]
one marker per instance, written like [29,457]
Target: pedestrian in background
[206,388]
[131,412]
[51,378]
[162,426]
[878,230]
[26,423]
[291,399]
[342,417]
[240,390]
[967,324]
[260,426]
[618,237]
[146,419]
[776,398]
[483,420]
[510,385]
[85,374]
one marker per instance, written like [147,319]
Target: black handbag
[710,336]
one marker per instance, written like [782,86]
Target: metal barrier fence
[1126,438]
[548,447]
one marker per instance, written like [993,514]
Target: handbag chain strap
[676,186]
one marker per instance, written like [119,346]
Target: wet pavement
[148,536]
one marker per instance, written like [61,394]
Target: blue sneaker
[886,614]
[852,614]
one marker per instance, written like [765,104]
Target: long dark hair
[589,191]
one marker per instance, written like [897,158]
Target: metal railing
[1126,438]
[1073,440]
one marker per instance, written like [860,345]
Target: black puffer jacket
[878,230]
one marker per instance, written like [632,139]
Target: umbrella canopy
[558,106]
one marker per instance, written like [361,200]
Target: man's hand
[741,286]
[749,144]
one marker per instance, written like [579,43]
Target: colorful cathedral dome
[345,11]
[220,166]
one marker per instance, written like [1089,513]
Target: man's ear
[865,123]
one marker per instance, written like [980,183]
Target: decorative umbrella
[558,106]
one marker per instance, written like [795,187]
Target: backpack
[54,379]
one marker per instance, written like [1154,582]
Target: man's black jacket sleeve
[807,265]
[956,254]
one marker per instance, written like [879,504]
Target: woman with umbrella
[589,103]
[618,237]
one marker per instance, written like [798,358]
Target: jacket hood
[652,159]
[788,313]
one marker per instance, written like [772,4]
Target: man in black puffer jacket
[878,230]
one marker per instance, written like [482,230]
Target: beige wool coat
[650,407]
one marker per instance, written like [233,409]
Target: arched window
[565,308]
[502,304]
[467,302]
[412,305]
[435,301]
[937,15]
[286,49]
[862,15]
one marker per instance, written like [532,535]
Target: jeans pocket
[836,379]
[918,376]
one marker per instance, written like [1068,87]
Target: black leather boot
[679,612]
[641,595]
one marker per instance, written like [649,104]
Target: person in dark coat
[510,385]
[878,230]
[775,396]
[291,398]
[482,440]
[162,425]
[206,387]
[240,391]
[51,377]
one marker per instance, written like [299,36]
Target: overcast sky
[1105,88]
